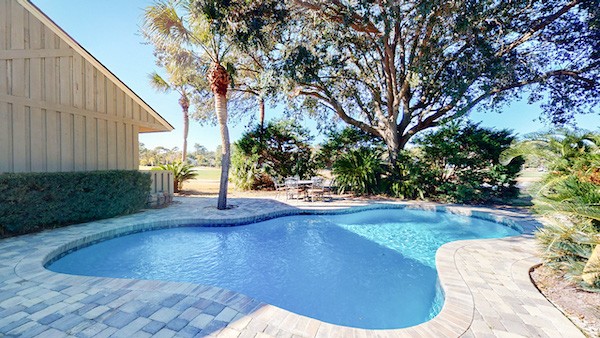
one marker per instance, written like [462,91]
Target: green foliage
[246,173]
[34,201]
[461,163]
[361,61]
[340,142]
[567,246]
[569,195]
[281,150]
[561,150]
[406,179]
[181,172]
[158,155]
[359,171]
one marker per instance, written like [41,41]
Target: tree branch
[339,110]
[543,23]
[357,22]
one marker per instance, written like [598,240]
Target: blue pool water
[373,269]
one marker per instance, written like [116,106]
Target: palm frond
[162,21]
[158,83]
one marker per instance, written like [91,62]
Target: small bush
[359,171]
[35,201]
[246,172]
[340,142]
[407,178]
[571,203]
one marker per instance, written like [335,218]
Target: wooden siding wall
[57,111]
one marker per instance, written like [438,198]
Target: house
[60,108]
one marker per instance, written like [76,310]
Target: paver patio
[487,286]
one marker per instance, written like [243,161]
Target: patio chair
[317,190]
[328,190]
[293,188]
[279,188]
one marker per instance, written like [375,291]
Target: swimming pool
[372,269]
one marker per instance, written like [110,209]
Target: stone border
[453,320]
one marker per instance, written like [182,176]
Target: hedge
[34,201]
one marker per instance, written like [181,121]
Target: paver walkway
[488,292]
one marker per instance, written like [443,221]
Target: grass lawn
[208,173]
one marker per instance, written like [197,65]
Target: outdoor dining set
[308,190]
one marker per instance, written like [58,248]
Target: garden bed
[582,307]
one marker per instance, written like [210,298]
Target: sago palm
[181,172]
[570,197]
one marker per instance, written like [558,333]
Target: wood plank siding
[60,109]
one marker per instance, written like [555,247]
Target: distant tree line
[200,156]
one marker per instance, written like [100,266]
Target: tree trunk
[219,81]
[261,109]
[221,109]
[591,271]
[186,126]
[392,143]
[184,102]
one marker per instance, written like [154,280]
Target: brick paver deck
[486,282]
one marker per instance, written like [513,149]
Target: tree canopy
[395,68]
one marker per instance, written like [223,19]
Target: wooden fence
[161,190]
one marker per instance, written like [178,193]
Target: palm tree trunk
[219,81]
[184,102]
[221,109]
[186,127]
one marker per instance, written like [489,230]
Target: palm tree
[171,33]
[219,82]
[183,88]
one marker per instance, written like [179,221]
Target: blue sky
[109,29]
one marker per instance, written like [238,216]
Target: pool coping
[454,319]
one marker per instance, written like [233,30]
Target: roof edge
[46,20]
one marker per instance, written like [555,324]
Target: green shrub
[569,197]
[340,142]
[35,201]
[359,171]
[462,164]
[181,172]
[567,247]
[246,172]
[568,241]
[281,150]
[407,179]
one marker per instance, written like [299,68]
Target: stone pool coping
[238,315]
